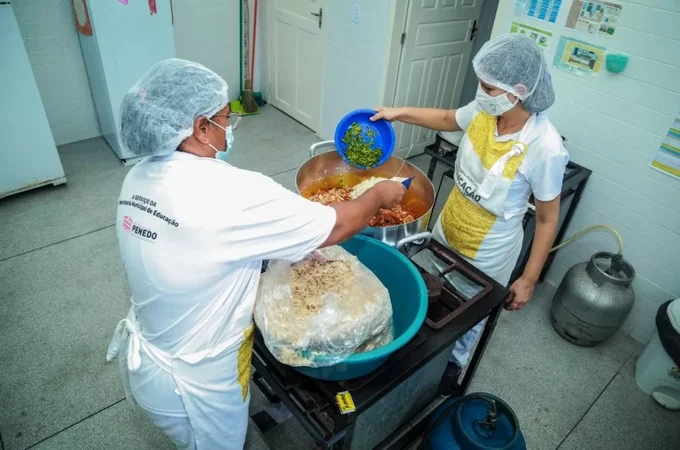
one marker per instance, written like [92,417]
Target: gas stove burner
[445,302]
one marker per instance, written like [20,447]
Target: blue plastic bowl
[409,306]
[384,138]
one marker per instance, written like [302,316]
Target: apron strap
[129,330]
[496,172]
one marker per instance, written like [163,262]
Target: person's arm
[432,118]
[353,216]
[272,222]
[547,218]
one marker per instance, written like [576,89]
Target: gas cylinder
[476,421]
[593,299]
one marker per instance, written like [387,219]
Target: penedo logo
[127,223]
[142,233]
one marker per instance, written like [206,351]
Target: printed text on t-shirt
[148,206]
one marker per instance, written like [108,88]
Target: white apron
[475,221]
[192,234]
[213,383]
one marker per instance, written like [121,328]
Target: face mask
[222,155]
[495,106]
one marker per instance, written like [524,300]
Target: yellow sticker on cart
[345,402]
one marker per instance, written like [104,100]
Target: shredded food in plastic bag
[319,311]
[311,279]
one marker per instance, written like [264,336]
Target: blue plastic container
[384,138]
[462,427]
[409,305]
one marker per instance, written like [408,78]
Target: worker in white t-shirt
[193,233]
[510,151]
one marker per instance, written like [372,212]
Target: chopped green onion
[359,152]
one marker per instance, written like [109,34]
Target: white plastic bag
[319,311]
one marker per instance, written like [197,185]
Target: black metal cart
[395,403]
[392,403]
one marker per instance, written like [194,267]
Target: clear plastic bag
[319,311]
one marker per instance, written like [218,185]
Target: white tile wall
[356,57]
[207,31]
[614,124]
[51,41]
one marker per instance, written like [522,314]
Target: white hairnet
[515,63]
[158,113]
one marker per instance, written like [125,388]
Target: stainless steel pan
[324,165]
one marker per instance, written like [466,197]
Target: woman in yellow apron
[510,151]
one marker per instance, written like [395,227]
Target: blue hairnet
[515,63]
[158,113]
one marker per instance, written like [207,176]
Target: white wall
[207,31]
[355,59]
[51,41]
[614,124]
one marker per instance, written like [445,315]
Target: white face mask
[222,155]
[495,106]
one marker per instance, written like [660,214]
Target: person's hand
[391,193]
[520,293]
[389,114]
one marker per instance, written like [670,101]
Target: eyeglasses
[233,118]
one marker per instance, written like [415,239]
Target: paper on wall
[579,57]
[541,37]
[667,158]
[594,17]
[538,9]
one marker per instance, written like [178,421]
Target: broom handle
[240,47]
[247,44]
[252,59]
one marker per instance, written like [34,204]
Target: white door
[434,60]
[297,36]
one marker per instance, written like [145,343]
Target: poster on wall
[541,37]
[579,57]
[599,18]
[667,158]
[83,24]
[547,10]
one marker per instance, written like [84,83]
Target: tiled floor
[63,292]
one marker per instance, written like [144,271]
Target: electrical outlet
[356,13]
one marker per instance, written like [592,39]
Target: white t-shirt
[540,174]
[193,230]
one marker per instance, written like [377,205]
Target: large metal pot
[325,165]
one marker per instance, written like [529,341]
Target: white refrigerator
[28,154]
[127,39]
